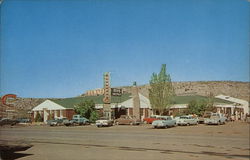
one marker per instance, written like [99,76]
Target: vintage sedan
[7,121]
[207,114]
[56,121]
[79,120]
[150,119]
[164,122]
[186,120]
[215,118]
[23,120]
[104,122]
[51,122]
[127,120]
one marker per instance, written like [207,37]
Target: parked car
[206,114]
[23,120]
[150,119]
[7,121]
[67,122]
[104,122]
[215,118]
[186,120]
[164,122]
[52,122]
[80,120]
[124,119]
[56,122]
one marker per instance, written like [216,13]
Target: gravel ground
[229,141]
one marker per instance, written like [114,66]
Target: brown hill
[235,89]
[230,88]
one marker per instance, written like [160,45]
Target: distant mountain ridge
[235,89]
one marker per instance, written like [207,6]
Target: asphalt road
[230,141]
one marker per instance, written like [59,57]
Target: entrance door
[119,112]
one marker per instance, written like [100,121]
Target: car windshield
[214,115]
[183,117]
[163,118]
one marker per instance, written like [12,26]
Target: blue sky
[61,48]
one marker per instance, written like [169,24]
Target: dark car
[7,121]
[67,122]
[23,120]
[56,122]
[79,120]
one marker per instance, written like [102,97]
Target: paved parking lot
[230,141]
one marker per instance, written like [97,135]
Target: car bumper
[158,125]
[102,124]
[211,122]
[182,123]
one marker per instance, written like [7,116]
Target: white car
[215,118]
[164,122]
[104,122]
[186,120]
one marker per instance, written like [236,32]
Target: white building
[240,108]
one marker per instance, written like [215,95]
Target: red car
[150,119]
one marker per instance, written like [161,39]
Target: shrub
[93,116]
[38,118]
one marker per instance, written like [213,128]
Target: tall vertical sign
[107,95]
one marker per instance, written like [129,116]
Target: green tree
[93,116]
[210,103]
[87,110]
[50,116]
[161,91]
[38,118]
[197,107]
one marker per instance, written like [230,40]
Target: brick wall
[69,113]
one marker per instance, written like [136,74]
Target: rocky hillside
[27,103]
[235,89]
